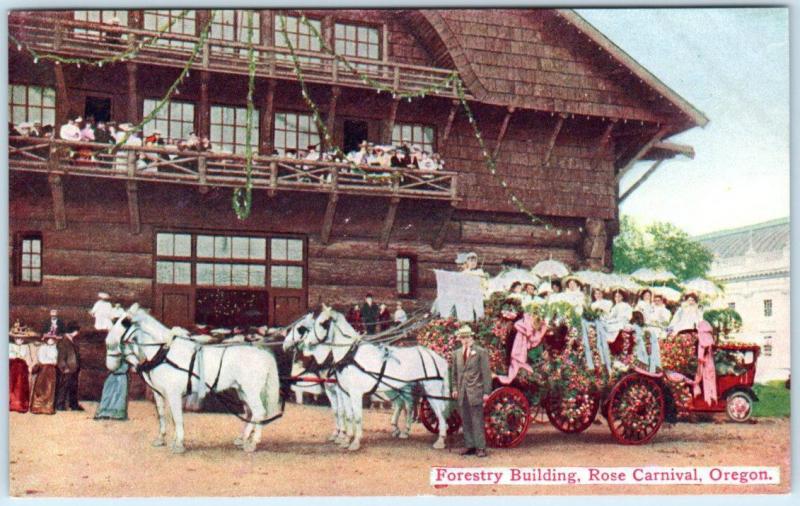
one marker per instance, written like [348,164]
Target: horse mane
[344,326]
[151,325]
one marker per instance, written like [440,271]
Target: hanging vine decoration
[201,41]
[455,79]
[128,54]
[243,197]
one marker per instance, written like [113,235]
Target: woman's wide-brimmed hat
[565,281]
[465,331]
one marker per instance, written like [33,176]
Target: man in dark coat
[471,388]
[54,325]
[68,368]
[369,314]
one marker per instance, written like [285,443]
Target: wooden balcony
[70,38]
[209,169]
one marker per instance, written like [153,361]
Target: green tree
[660,245]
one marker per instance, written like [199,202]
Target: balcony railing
[96,40]
[209,169]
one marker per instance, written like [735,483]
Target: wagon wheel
[739,406]
[506,416]
[635,409]
[538,414]
[430,422]
[572,415]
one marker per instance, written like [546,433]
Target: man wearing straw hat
[472,386]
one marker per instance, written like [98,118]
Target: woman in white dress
[600,303]
[661,315]
[574,295]
[645,304]
[620,315]
[687,316]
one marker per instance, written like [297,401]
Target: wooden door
[176,309]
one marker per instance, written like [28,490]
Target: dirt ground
[69,454]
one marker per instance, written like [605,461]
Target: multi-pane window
[294,131]
[404,267]
[232,25]
[181,24]
[767,346]
[229,129]
[173,259]
[32,104]
[174,120]
[231,260]
[357,41]
[299,34]
[413,134]
[767,307]
[286,256]
[29,260]
[111,17]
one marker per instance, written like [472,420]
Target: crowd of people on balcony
[373,155]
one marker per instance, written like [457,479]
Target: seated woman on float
[620,315]
[600,303]
[687,316]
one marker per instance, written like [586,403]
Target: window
[173,265]
[232,25]
[182,25]
[405,285]
[106,17]
[767,347]
[768,307]
[29,259]
[411,134]
[299,34]
[32,104]
[294,131]
[174,120]
[229,129]
[287,263]
[231,260]
[357,41]
[732,305]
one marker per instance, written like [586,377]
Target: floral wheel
[538,414]
[635,409]
[572,415]
[506,417]
[430,422]
[739,406]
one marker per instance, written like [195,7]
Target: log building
[564,110]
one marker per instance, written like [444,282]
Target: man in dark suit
[472,386]
[369,314]
[68,367]
[54,325]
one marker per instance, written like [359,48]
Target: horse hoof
[158,442]
[238,441]
[344,443]
[396,433]
[403,435]
[439,445]
[354,446]
[177,450]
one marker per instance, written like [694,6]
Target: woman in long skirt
[19,387]
[44,386]
[114,401]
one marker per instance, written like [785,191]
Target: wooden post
[62,97]
[441,235]
[502,133]
[640,181]
[388,125]
[552,141]
[604,139]
[133,193]
[204,113]
[133,93]
[267,117]
[267,25]
[388,222]
[59,209]
[202,173]
[336,91]
[327,221]
[450,118]
[642,151]
[273,178]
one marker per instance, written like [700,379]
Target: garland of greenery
[130,53]
[243,197]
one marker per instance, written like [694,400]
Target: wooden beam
[388,125]
[204,118]
[330,121]
[267,116]
[441,234]
[640,181]
[59,209]
[642,151]
[62,96]
[388,222]
[450,118]
[327,221]
[134,216]
[503,129]
[133,93]
[552,141]
[605,137]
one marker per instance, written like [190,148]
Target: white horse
[171,363]
[362,367]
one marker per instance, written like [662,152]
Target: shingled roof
[767,237]
[551,60]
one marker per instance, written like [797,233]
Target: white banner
[461,291]
[733,475]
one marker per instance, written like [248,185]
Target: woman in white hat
[687,316]
[620,315]
[102,312]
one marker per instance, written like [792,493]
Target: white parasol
[703,287]
[550,269]
[646,275]
[669,294]
[503,281]
[623,281]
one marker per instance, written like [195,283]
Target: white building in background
[753,264]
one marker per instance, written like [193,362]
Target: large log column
[267,117]
[133,114]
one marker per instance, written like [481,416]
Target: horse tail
[270,392]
